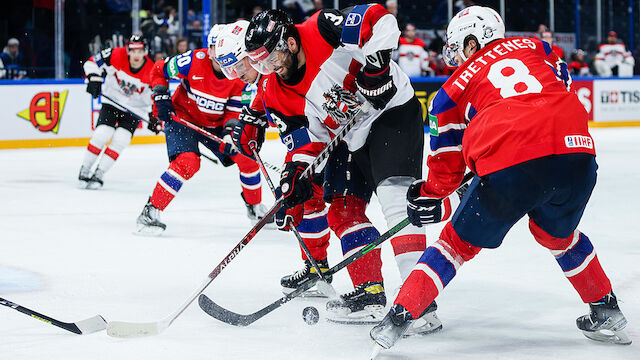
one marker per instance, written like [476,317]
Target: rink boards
[51,113]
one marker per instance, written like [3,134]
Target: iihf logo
[45,110]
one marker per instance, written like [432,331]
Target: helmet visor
[266,62]
[449,53]
[234,70]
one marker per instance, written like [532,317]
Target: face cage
[235,70]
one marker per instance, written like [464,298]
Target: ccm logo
[578,141]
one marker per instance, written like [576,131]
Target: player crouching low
[311,217]
[507,114]
[126,72]
[207,99]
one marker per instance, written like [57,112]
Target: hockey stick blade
[218,312]
[83,327]
[229,317]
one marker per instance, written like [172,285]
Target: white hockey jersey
[413,59]
[131,89]
[613,54]
[335,45]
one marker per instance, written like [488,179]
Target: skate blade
[145,230]
[427,324]
[376,351]
[93,185]
[370,315]
[312,293]
[82,184]
[619,337]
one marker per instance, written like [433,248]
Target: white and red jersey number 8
[512,78]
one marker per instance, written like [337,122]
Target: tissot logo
[45,110]
[620,97]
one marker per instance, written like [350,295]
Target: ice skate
[427,323]
[393,327]
[605,322]
[256,212]
[95,182]
[84,177]
[292,282]
[148,222]
[364,305]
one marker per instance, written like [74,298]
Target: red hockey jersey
[509,103]
[203,97]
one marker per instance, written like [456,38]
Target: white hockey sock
[410,242]
[99,139]
[121,138]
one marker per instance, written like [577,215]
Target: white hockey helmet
[482,22]
[213,34]
[230,49]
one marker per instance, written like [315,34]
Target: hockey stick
[87,326]
[146,121]
[327,289]
[131,329]
[230,317]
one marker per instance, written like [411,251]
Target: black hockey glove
[284,217]
[375,82]
[227,147]
[423,209]
[154,124]
[94,87]
[251,127]
[295,189]
[162,105]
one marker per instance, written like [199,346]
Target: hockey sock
[314,227]
[411,241]
[578,260]
[181,169]
[99,139]
[436,268]
[121,138]
[348,221]
[249,179]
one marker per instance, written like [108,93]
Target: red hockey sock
[314,227]
[181,169]
[436,268]
[348,221]
[249,179]
[578,260]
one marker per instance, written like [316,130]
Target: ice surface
[76,250]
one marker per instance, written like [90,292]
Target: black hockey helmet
[137,42]
[266,33]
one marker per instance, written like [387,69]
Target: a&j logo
[45,110]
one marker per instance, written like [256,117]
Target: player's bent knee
[101,136]
[186,164]
[550,242]
[121,138]
[463,248]
[346,211]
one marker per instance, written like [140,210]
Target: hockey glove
[375,82]
[423,209]
[284,217]
[251,128]
[226,146]
[162,105]
[94,87]
[295,189]
[154,124]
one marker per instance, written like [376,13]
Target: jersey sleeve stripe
[441,150]
[447,139]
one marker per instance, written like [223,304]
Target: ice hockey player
[310,217]
[507,114]
[207,99]
[334,53]
[126,73]
[613,58]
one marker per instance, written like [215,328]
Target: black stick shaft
[36,315]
